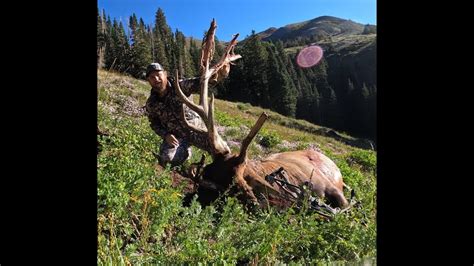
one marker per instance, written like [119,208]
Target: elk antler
[245,144]
[205,109]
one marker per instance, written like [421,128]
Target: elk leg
[240,181]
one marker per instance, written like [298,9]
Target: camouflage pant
[174,155]
[178,155]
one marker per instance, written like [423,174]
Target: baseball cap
[153,67]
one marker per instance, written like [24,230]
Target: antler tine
[206,56]
[227,57]
[245,144]
[211,129]
[230,49]
[208,46]
[189,103]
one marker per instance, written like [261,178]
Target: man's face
[158,80]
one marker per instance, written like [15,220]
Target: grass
[141,218]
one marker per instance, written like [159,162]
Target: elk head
[301,167]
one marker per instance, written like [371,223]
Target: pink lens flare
[309,56]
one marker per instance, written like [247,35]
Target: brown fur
[250,175]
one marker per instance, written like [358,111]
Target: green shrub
[364,158]
[269,139]
[243,106]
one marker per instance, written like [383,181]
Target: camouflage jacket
[165,113]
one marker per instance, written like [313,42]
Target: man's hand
[171,140]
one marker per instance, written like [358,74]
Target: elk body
[304,167]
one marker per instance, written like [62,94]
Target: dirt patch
[179,181]
[132,107]
[128,105]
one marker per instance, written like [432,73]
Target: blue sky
[192,17]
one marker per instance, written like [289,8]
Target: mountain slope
[318,27]
[349,47]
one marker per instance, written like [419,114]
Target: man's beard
[161,88]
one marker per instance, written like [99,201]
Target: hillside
[349,61]
[318,27]
[142,219]
[350,47]
[349,57]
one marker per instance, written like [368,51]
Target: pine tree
[109,51]
[181,53]
[287,62]
[351,112]
[282,94]
[195,58]
[235,85]
[331,115]
[315,105]
[330,105]
[188,63]
[134,39]
[159,41]
[287,65]
[101,41]
[308,98]
[167,60]
[255,86]
[120,47]
[309,101]
[363,112]
[174,55]
[140,55]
